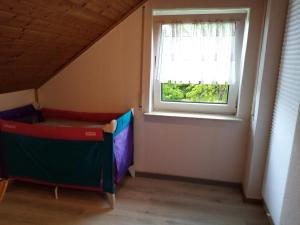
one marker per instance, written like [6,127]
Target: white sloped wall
[16,99]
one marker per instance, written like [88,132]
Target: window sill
[195,116]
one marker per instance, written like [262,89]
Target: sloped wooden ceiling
[39,37]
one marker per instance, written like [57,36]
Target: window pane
[194,93]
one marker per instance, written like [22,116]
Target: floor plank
[140,201]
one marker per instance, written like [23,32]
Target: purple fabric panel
[27,110]
[123,152]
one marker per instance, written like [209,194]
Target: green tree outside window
[194,93]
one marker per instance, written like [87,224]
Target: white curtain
[197,53]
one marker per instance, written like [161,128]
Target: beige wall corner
[107,78]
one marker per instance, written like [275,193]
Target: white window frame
[208,15]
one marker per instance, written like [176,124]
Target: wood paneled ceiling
[39,37]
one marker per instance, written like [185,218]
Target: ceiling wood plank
[39,37]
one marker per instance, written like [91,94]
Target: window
[197,62]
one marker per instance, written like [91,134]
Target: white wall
[107,78]
[264,98]
[16,99]
[284,117]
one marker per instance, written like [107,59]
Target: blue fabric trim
[124,121]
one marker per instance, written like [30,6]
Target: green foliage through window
[195,93]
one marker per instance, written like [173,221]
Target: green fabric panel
[123,122]
[108,165]
[59,161]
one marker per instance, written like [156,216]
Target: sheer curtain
[197,53]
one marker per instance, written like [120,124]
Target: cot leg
[3,188]
[56,192]
[112,199]
[131,170]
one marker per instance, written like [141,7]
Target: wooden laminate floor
[140,201]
